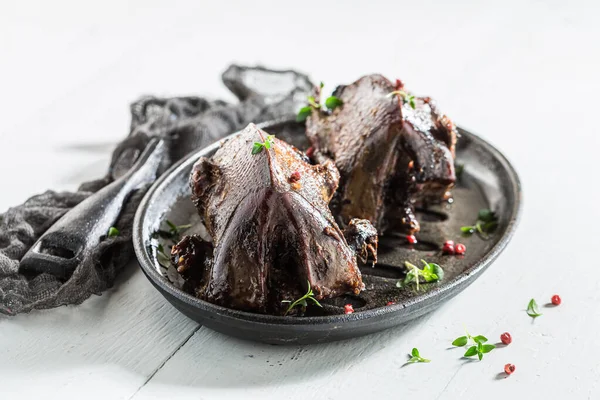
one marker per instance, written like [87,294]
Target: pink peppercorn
[506,338]
[294,177]
[460,249]
[448,247]
[509,369]
[411,239]
[348,309]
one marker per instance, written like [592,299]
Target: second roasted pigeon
[393,151]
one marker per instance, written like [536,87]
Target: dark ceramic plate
[487,181]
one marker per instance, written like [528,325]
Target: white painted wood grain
[523,74]
[104,348]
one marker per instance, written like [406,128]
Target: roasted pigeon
[394,152]
[266,209]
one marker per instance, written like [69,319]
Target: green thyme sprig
[486,222]
[430,273]
[532,309]
[259,146]
[174,232]
[162,257]
[331,103]
[405,96]
[113,232]
[302,301]
[415,357]
[477,347]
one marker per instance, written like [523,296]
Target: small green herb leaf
[174,232]
[467,229]
[486,223]
[489,226]
[303,114]
[478,346]
[471,351]
[162,258]
[460,342]
[532,309]
[269,141]
[430,273]
[113,232]
[486,348]
[258,146]
[486,215]
[315,301]
[406,97]
[415,357]
[172,225]
[313,102]
[480,339]
[411,101]
[302,300]
[333,102]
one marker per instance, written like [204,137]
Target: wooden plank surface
[522,74]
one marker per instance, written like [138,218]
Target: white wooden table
[524,74]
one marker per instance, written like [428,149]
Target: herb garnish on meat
[302,300]
[406,97]
[259,146]
[332,102]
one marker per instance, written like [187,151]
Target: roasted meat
[266,210]
[391,156]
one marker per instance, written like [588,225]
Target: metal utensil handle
[66,243]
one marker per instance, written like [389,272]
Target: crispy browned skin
[389,155]
[271,227]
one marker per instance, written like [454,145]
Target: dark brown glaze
[362,137]
[428,140]
[271,228]
[362,237]
[193,258]
[390,157]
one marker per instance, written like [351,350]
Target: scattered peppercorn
[509,369]
[460,249]
[556,300]
[390,303]
[294,177]
[348,309]
[411,239]
[506,338]
[448,247]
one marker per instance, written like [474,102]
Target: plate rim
[412,305]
